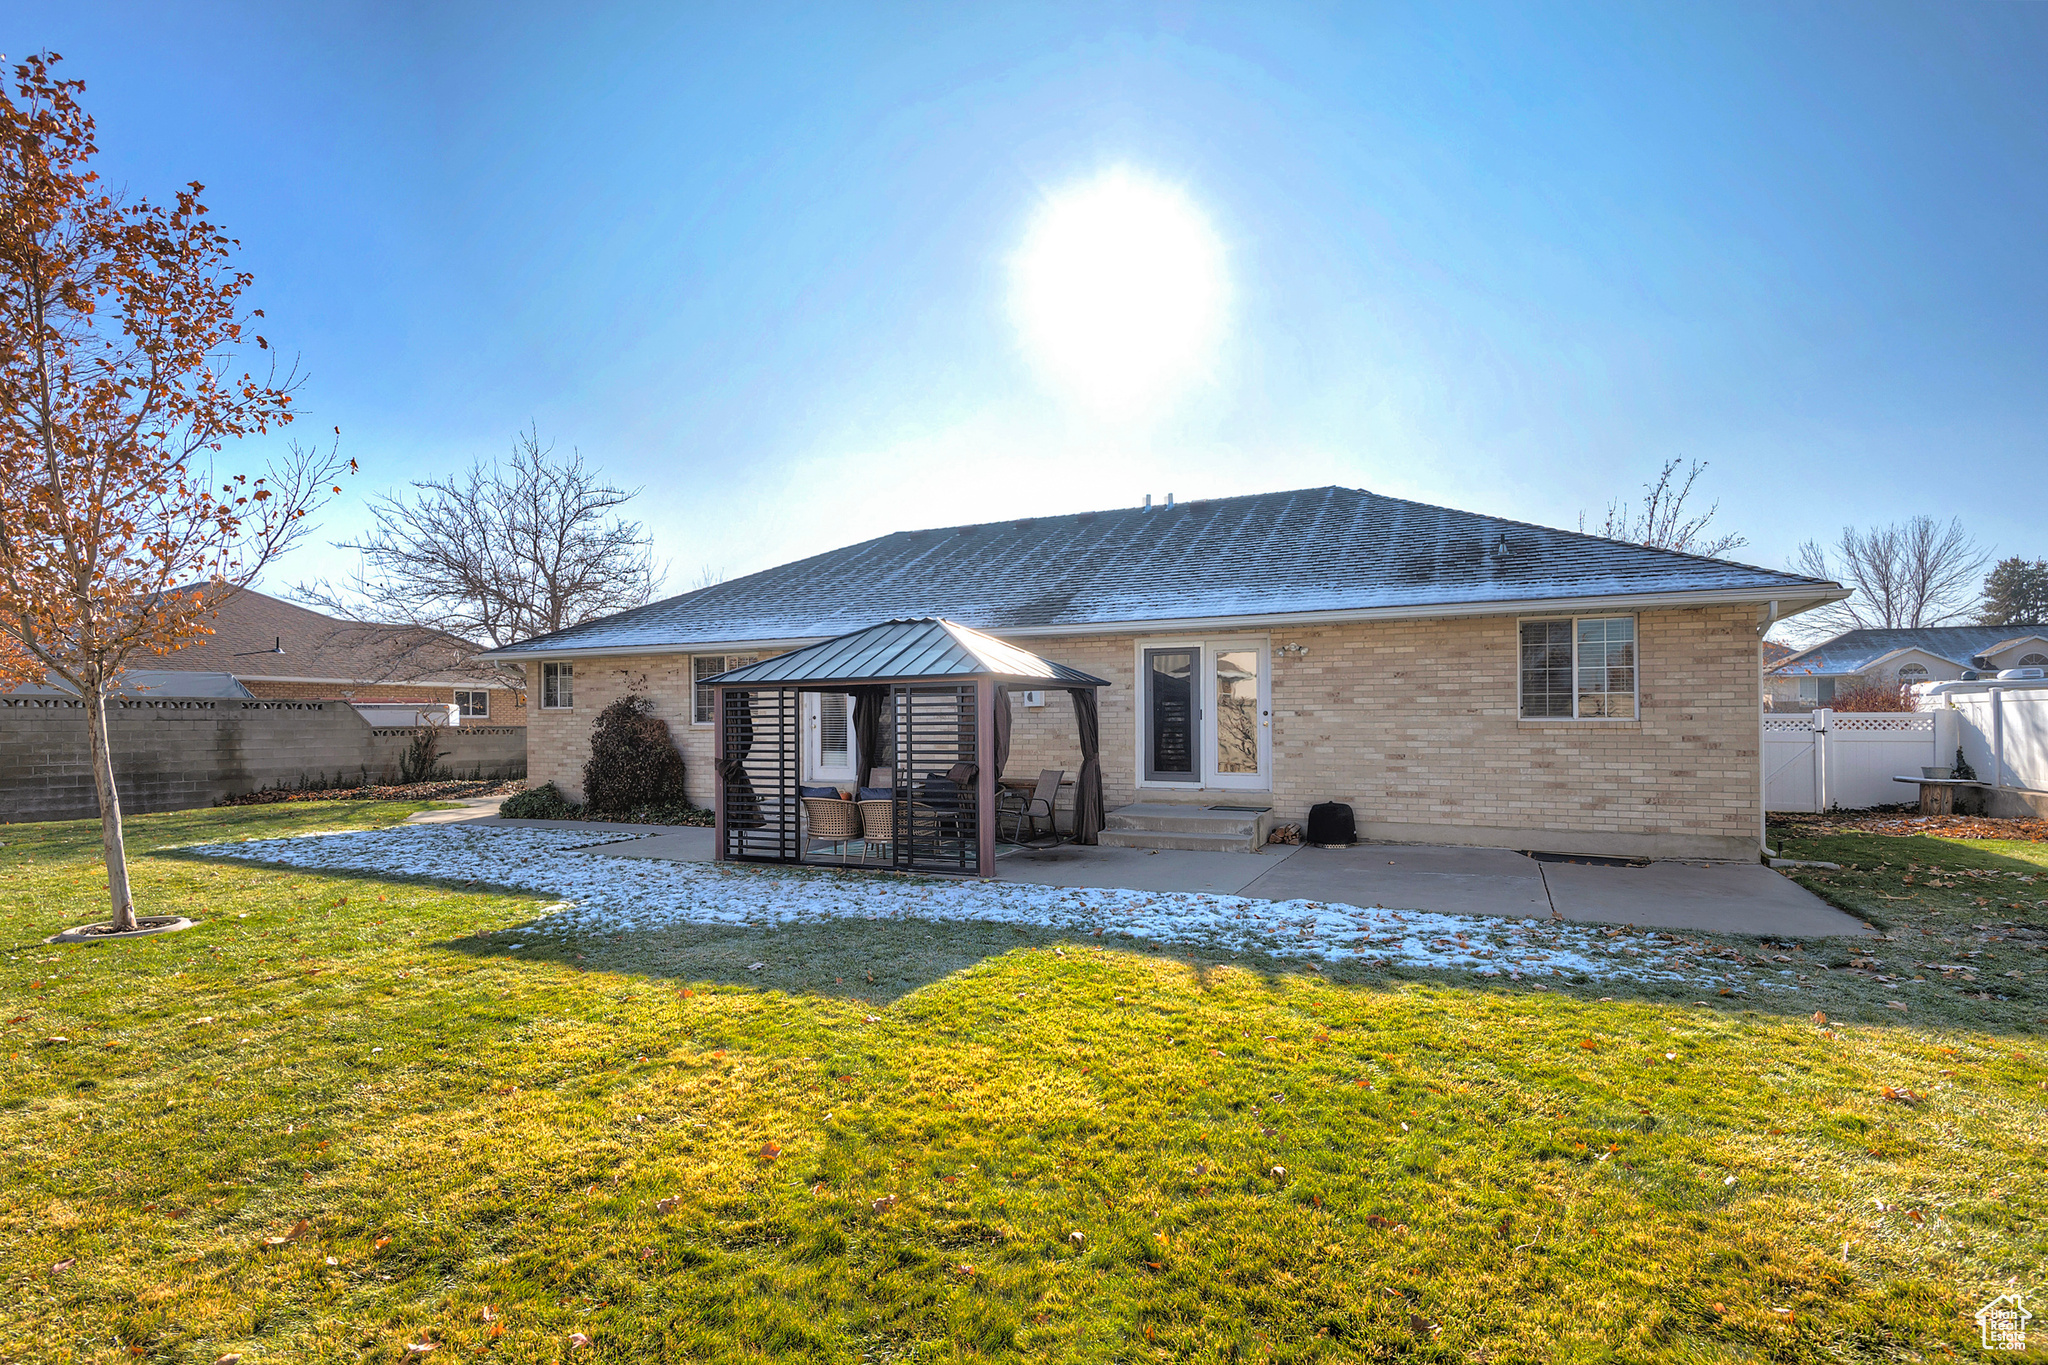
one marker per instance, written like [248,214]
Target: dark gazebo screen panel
[763,748]
[937,815]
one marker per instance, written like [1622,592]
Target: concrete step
[1163,825]
[1189,843]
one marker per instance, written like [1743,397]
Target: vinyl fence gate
[1826,759]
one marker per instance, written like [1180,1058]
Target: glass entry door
[1207,715]
[828,737]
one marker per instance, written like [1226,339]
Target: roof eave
[1792,599]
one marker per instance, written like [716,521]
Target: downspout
[1766,618]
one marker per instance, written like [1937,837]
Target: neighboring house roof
[905,651]
[1859,651]
[1317,553]
[1775,653]
[322,648]
[154,682]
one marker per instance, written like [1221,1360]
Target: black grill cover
[1331,823]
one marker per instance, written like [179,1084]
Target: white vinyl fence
[2003,731]
[1826,759]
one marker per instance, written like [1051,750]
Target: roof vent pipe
[1148,503]
[1169,499]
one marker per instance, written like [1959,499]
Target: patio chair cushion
[876,794]
[832,792]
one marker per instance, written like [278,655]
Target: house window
[1579,668]
[557,687]
[2032,660]
[473,705]
[1912,673]
[703,666]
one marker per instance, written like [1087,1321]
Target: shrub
[544,802]
[1899,697]
[416,764]
[633,762]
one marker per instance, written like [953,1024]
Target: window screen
[1607,668]
[1546,670]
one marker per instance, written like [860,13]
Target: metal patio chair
[1040,804]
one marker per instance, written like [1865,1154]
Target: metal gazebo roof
[903,651]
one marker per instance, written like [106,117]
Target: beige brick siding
[1412,723]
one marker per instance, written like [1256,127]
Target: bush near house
[633,762]
[1870,697]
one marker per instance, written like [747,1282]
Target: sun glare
[1119,293]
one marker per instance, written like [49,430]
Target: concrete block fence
[173,753]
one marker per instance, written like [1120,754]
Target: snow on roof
[1859,651]
[1312,550]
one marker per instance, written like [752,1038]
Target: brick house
[281,651]
[1455,678]
[1874,657]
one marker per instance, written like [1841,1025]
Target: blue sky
[756,258]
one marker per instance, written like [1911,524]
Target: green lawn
[896,1142]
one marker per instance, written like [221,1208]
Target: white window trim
[569,664]
[1575,718]
[1202,645]
[728,654]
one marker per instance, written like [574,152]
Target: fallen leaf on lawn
[489,1314]
[1373,1220]
[231,1358]
[63,1265]
[1717,1308]
[1916,1215]
[668,1205]
[1279,1172]
[1895,1005]
[885,1203]
[1726,991]
[578,1341]
[380,1243]
[1776,1132]
[1076,1238]
[1588,1044]
[755,966]
[1900,1096]
[1820,1018]
[770,1150]
[419,1348]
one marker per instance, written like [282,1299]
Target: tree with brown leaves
[119,323]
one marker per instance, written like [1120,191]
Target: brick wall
[174,754]
[1412,723]
[508,704]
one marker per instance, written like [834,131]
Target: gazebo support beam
[985,775]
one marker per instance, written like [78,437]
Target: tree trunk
[110,809]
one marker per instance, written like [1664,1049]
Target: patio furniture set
[838,820]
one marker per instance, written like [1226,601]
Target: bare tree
[1905,576]
[1661,522]
[501,553]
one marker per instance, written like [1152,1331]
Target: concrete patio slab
[678,844]
[1455,881]
[1137,869]
[1721,898]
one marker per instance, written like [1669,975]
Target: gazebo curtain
[1088,804]
[999,738]
[870,709]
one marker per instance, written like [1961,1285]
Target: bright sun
[1120,293]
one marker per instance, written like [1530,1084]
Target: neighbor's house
[1886,658]
[1454,678]
[280,651]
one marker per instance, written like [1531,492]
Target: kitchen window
[557,687]
[703,666]
[1579,668]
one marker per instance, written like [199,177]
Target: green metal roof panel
[900,651]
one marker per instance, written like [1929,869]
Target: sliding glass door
[1206,717]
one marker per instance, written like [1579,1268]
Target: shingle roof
[153,682]
[322,647]
[1313,550]
[1854,651]
[898,651]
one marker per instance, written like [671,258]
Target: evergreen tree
[2016,593]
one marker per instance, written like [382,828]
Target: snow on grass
[608,895]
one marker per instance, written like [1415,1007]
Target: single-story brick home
[1886,658]
[1454,678]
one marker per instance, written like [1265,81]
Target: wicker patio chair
[829,820]
[878,826]
[1039,805]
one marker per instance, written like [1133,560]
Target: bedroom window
[557,687]
[703,666]
[1579,668]
[473,705]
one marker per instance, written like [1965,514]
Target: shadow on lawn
[879,962]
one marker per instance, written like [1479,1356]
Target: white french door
[1206,714]
[828,737]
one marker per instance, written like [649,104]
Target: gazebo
[931,713]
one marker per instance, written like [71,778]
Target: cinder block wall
[508,704]
[1414,724]
[175,754]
